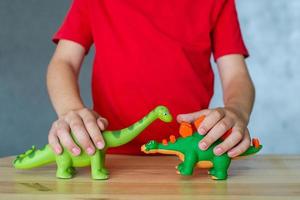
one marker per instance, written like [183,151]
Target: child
[149,53]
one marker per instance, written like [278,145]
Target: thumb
[190,117]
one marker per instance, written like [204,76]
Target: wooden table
[154,177]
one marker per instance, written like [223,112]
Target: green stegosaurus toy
[187,149]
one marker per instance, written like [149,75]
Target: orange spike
[164,142]
[198,121]
[255,142]
[185,129]
[226,134]
[172,139]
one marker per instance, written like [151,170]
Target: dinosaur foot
[104,171]
[184,172]
[219,176]
[211,172]
[64,174]
[72,170]
[179,166]
[99,175]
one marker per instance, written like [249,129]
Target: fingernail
[76,151]
[231,153]
[201,131]
[218,151]
[203,145]
[90,150]
[100,145]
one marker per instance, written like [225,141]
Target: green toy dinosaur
[66,161]
[186,148]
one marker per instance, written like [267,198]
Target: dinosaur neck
[121,137]
[170,146]
[170,149]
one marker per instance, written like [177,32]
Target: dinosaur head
[163,114]
[28,153]
[152,145]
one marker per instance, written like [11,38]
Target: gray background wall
[271,30]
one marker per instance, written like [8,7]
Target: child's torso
[149,53]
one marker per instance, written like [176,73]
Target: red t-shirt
[150,53]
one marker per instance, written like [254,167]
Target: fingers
[211,120]
[215,124]
[215,133]
[232,140]
[241,147]
[63,133]
[53,141]
[93,129]
[102,123]
[80,133]
[86,126]
[190,117]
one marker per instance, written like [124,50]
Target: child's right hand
[85,124]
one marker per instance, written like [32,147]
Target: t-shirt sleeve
[76,25]
[226,34]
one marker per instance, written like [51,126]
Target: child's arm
[62,83]
[238,92]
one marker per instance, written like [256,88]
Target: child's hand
[216,123]
[86,126]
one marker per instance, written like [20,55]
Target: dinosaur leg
[64,166]
[186,168]
[96,166]
[221,165]
[179,166]
[102,163]
[212,171]
[72,170]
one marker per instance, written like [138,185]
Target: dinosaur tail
[34,158]
[251,150]
[256,147]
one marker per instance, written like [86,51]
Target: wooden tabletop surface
[153,177]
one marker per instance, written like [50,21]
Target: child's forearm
[63,87]
[238,89]
[62,81]
[85,124]
[240,94]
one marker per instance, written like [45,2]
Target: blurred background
[271,31]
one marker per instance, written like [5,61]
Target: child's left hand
[217,121]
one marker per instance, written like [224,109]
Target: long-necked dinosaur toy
[186,148]
[66,162]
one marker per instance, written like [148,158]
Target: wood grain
[153,177]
